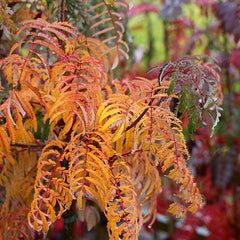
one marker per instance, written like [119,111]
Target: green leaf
[46,129]
[37,134]
[183,104]
[172,84]
[190,104]
[43,129]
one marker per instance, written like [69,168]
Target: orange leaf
[11,129]
[25,107]
[4,140]
[79,200]
[34,89]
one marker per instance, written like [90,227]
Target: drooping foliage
[208,27]
[70,132]
[198,85]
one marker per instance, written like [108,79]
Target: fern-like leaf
[124,217]
[106,22]
[47,35]
[198,85]
[115,114]
[88,170]
[52,196]
[19,100]
[154,137]
[14,224]
[146,181]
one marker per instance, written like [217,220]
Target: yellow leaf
[97,183]
[129,139]
[35,225]
[152,148]
[10,128]
[193,208]
[106,112]
[110,2]
[112,120]
[79,200]
[93,193]
[11,159]
[177,209]
[68,125]
[34,123]
[99,112]
[24,107]
[44,222]
[118,132]
[4,140]
[119,144]
[35,90]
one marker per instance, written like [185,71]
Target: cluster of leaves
[198,85]
[70,133]
[212,28]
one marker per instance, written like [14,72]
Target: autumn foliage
[71,133]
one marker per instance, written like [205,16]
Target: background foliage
[156,32]
[212,28]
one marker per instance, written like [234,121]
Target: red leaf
[234,58]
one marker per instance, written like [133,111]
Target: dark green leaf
[46,130]
[172,84]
